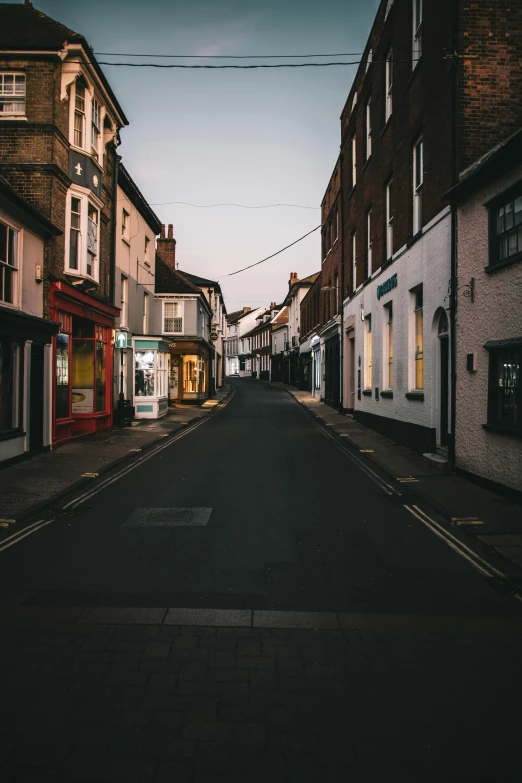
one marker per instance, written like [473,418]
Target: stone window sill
[418,396]
[367,392]
[387,393]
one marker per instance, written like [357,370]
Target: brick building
[261,341]
[59,124]
[310,342]
[425,101]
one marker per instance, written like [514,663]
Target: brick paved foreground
[93,703]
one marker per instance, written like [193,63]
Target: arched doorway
[443,338]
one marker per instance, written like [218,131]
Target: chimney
[166,249]
[273,305]
[247,309]
[294,277]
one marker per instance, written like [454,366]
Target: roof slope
[169,281]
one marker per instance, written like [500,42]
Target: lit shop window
[389,381]
[194,375]
[89,367]
[150,373]
[369,351]
[419,340]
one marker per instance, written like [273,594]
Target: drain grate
[168,517]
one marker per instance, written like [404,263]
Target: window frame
[124,301]
[12,269]
[91,146]
[418,358]
[368,129]
[416,47]
[354,160]
[86,200]
[146,312]
[388,85]
[418,183]
[496,353]
[354,260]
[125,225]
[388,357]
[14,115]
[368,363]
[181,309]
[509,196]
[389,219]
[369,249]
[146,251]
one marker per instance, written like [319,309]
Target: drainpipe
[341,374]
[454,236]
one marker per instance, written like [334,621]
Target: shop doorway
[36,398]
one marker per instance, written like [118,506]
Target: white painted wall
[426,262]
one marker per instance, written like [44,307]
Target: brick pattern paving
[91,703]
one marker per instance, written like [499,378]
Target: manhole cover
[168,517]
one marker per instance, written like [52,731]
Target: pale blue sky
[250,137]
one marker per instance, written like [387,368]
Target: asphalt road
[294,524]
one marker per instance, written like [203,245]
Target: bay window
[82,248]
[86,120]
[173,317]
[8,263]
[79,114]
[150,377]
[95,128]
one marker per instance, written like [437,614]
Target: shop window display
[194,375]
[150,374]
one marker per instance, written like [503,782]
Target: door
[36,397]
[444,390]
[332,372]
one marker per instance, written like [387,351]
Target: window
[418,178]
[92,240]
[388,382]
[354,101]
[354,261]
[145,312]
[504,393]
[125,224]
[506,230]
[369,243]
[336,224]
[369,352]
[95,128]
[146,252]
[124,301]
[389,220]
[417,32]
[354,161]
[82,250]
[8,263]
[150,374]
[336,289]
[323,237]
[419,340]
[79,114]
[88,368]
[10,377]
[369,60]
[389,85]
[388,9]
[368,129]
[173,317]
[12,95]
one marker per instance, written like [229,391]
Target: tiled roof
[281,318]
[169,281]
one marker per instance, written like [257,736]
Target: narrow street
[149,699]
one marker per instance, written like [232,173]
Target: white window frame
[354,160]
[95,151]
[418,182]
[180,314]
[369,258]
[389,85]
[12,269]
[76,110]
[146,312]
[354,260]
[96,111]
[389,219]
[416,49]
[124,301]
[19,99]
[368,128]
[86,199]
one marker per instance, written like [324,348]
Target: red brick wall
[311,310]
[490,75]
[331,249]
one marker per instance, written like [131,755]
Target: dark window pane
[518,210]
[500,220]
[3,242]
[508,216]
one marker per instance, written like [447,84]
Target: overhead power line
[220,67]
[242,206]
[231,274]
[228,56]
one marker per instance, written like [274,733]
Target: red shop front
[83,361]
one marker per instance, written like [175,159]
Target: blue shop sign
[387,286]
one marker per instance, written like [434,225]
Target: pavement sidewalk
[28,486]
[494,519]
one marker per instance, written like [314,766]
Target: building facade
[410,121]
[280,347]
[138,358]
[237,352]
[297,290]
[26,337]
[311,350]
[59,125]
[488,200]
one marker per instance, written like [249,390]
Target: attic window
[12,94]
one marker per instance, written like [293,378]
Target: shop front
[83,361]
[151,360]
[189,367]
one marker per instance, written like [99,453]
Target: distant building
[280,347]
[261,339]
[239,324]
[297,290]
[488,200]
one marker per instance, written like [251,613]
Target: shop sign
[121,340]
[387,286]
[214,336]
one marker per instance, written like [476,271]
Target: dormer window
[82,246]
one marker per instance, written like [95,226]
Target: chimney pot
[247,309]
[170,235]
[162,232]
